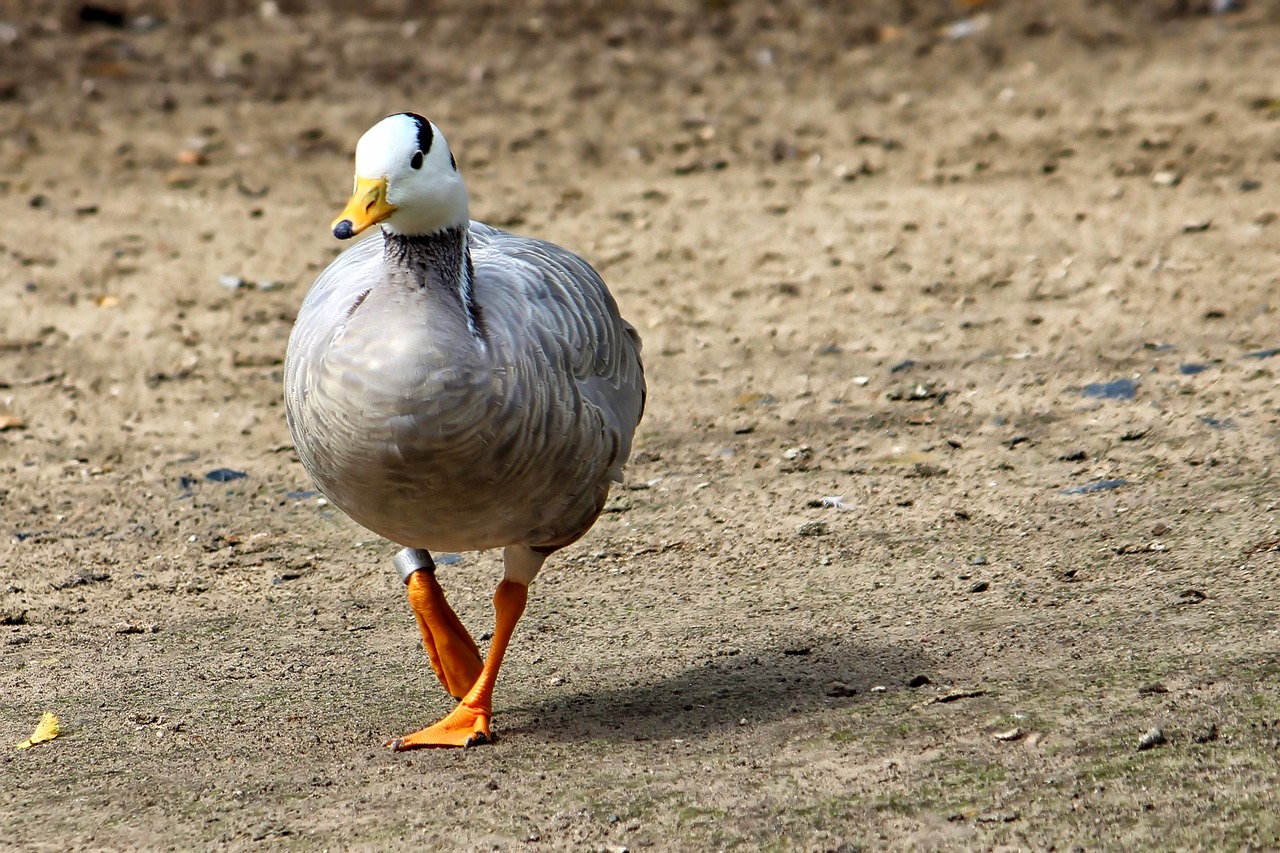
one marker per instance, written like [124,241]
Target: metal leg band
[410,560]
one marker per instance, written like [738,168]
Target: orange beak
[368,206]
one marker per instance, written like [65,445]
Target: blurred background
[957,478]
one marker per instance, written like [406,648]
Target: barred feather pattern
[466,390]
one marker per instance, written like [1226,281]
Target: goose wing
[563,326]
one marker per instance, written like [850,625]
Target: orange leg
[454,655]
[468,723]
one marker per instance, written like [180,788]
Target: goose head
[406,179]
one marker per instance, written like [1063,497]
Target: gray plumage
[454,404]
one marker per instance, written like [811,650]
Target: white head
[406,178]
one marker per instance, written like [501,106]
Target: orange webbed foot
[468,723]
[465,726]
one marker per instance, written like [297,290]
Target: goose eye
[416,162]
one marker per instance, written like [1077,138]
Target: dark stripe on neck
[443,259]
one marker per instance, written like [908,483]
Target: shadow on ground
[767,683]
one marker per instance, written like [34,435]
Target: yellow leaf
[46,729]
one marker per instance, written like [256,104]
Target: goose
[454,387]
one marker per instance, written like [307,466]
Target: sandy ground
[1009,297]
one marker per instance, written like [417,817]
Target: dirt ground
[957,476]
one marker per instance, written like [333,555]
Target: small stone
[840,690]
[919,681]
[956,696]
[13,617]
[84,578]
[1207,733]
[135,628]
[1009,735]
[179,179]
[980,586]
[1166,179]
[618,503]
[916,391]
[997,817]
[1151,739]
[1155,688]
[980,560]
[814,528]
[231,282]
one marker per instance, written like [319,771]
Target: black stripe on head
[425,136]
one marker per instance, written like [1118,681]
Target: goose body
[451,386]
[450,427]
